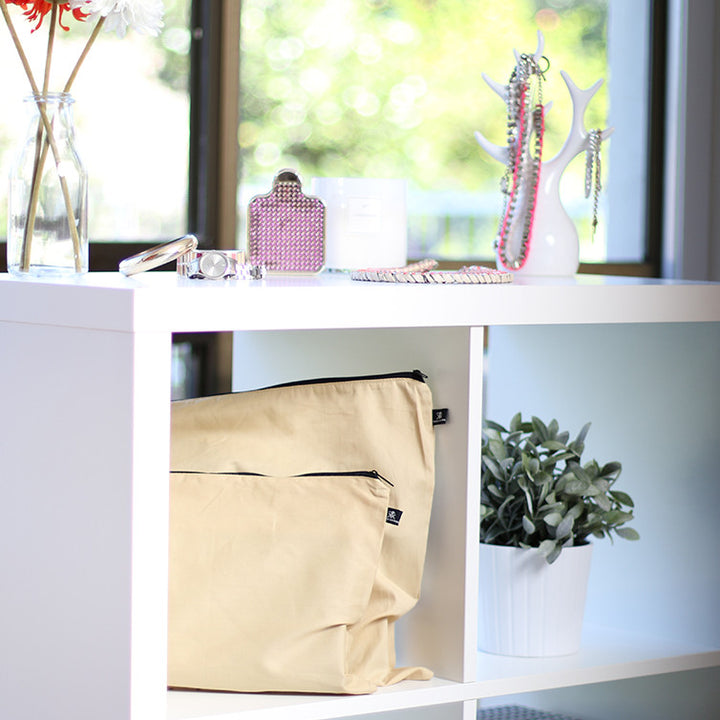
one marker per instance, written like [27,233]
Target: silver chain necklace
[593,173]
[525,116]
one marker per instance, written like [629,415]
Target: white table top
[163,301]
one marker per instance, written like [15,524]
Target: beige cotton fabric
[382,424]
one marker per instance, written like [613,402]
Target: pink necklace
[525,116]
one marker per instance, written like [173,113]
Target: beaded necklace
[525,117]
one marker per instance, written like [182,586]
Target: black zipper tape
[408,374]
[343,473]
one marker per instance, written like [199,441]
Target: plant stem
[40,161]
[51,44]
[83,54]
[48,130]
[40,154]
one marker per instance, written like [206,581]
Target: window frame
[213,159]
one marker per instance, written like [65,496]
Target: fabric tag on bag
[439,416]
[393,516]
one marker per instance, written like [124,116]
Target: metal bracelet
[158,255]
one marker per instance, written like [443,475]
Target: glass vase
[47,212]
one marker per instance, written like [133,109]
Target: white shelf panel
[606,655]
[162,301]
[185,705]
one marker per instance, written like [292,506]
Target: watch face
[213,264]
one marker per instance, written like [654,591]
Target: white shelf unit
[84,442]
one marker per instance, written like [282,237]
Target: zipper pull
[377,475]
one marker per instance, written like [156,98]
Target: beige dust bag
[299,519]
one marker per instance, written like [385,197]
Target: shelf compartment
[606,655]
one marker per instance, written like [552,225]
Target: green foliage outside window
[394,88]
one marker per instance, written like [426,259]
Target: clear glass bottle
[47,213]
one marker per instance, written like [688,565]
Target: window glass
[131,117]
[394,88]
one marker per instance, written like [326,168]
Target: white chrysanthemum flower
[143,16]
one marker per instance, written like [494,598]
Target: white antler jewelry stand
[546,242]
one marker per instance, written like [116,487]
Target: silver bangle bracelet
[158,255]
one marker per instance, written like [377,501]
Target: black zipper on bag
[417,375]
[349,473]
[343,473]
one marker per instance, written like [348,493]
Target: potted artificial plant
[540,505]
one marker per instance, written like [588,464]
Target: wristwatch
[212,264]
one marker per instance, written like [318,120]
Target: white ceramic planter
[529,608]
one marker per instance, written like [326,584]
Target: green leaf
[552,445]
[516,422]
[493,467]
[494,426]
[580,439]
[577,486]
[530,448]
[503,509]
[553,428]
[617,517]
[600,485]
[492,532]
[611,470]
[496,491]
[565,527]
[507,464]
[497,448]
[528,525]
[556,458]
[513,438]
[622,498]
[553,519]
[603,501]
[531,465]
[628,533]
[540,428]
[550,550]
[579,472]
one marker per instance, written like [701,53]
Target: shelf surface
[183,705]
[606,655]
[163,301]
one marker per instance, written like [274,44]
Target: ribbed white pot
[529,608]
